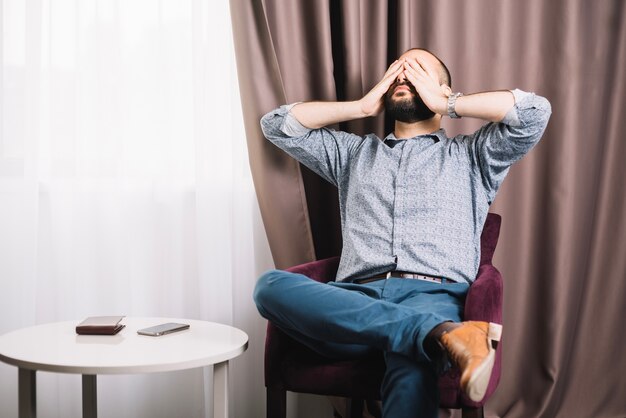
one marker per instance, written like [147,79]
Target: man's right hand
[374,101]
[316,115]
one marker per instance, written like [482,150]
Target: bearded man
[412,206]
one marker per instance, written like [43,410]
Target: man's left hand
[426,82]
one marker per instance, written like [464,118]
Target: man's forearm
[491,106]
[316,115]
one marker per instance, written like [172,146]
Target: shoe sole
[477,385]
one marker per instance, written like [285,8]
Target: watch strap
[451,105]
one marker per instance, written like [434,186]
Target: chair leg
[473,412]
[354,409]
[276,402]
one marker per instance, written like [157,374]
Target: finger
[393,67]
[387,82]
[390,78]
[417,76]
[384,84]
[420,66]
[432,74]
[417,80]
[412,79]
[416,66]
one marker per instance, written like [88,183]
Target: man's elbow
[537,116]
[269,124]
[544,106]
[543,114]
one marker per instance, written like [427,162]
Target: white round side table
[56,347]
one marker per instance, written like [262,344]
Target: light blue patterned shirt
[414,205]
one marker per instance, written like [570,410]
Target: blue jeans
[345,320]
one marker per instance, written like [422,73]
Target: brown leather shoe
[471,347]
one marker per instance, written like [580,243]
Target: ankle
[432,343]
[443,328]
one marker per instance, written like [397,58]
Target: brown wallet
[100,325]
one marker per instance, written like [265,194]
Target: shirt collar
[438,135]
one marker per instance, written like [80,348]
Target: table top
[56,347]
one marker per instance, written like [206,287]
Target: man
[412,210]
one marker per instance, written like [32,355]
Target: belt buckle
[388,275]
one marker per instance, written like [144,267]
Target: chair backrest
[489,237]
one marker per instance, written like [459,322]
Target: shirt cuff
[512,117]
[291,126]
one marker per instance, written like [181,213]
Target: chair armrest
[485,296]
[321,270]
[484,302]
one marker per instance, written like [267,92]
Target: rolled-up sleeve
[496,146]
[325,151]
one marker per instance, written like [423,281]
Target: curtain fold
[262,81]
[563,237]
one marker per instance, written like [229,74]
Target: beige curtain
[562,250]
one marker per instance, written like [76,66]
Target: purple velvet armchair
[290,366]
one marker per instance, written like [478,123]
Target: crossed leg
[392,315]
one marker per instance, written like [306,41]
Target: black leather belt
[403,275]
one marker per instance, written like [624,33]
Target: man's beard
[408,108]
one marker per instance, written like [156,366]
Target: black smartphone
[162,329]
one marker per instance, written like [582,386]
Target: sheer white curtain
[125,188]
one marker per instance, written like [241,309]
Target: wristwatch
[451,103]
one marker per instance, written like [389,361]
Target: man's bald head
[429,57]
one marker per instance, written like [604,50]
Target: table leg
[90,396]
[27,393]
[220,390]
